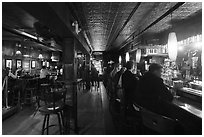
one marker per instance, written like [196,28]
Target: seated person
[44,72]
[152,93]
[19,72]
[129,84]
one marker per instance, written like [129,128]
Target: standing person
[152,92]
[118,82]
[129,84]
[87,77]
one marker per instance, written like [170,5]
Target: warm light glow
[198,44]
[26,56]
[180,48]
[127,57]
[40,56]
[120,59]
[172,46]
[138,55]
[18,52]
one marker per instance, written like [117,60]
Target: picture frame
[9,63]
[18,63]
[33,64]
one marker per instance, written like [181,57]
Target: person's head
[43,67]
[129,65]
[155,69]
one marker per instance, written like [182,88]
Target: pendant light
[18,52]
[138,55]
[172,45]
[127,57]
[120,59]
[40,55]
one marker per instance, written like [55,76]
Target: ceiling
[108,25]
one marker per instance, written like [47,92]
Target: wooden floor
[93,117]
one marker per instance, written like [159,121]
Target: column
[70,72]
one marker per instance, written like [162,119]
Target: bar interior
[101,68]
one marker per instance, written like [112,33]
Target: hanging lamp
[127,57]
[172,45]
[120,59]
[138,55]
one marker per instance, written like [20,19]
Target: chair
[158,123]
[54,102]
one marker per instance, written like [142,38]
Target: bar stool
[30,90]
[158,123]
[54,105]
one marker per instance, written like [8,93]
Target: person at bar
[152,93]
[44,72]
[129,84]
[18,72]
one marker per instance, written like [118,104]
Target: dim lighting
[120,59]
[138,56]
[172,46]
[127,57]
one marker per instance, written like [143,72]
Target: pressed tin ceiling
[102,21]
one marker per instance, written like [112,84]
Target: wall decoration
[9,63]
[18,63]
[33,64]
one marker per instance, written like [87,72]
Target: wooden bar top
[191,109]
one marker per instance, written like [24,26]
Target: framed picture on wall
[33,64]
[9,63]
[18,63]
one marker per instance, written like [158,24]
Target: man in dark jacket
[129,84]
[152,93]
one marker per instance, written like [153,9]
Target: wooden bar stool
[54,105]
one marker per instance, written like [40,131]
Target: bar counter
[188,114]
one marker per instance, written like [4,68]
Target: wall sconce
[40,56]
[76,25]
[18,52]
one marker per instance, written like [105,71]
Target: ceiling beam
[125,23]
[153,23]
[64,14]
[31,37]
[56,16]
